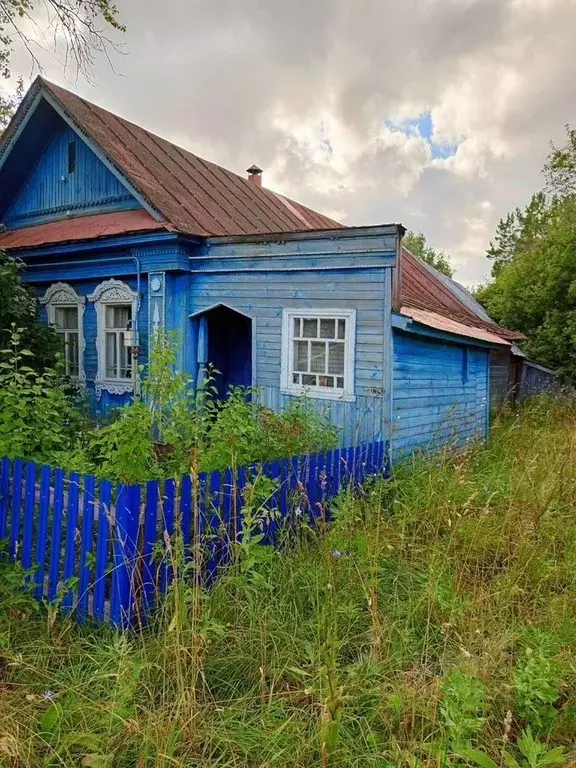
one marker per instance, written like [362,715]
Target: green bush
[175,430]
[37,415]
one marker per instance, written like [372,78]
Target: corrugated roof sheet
[422,288]
[82,228]
[195,196]
[443,323]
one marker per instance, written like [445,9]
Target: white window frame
[63,295]
[287,386]
[109,293]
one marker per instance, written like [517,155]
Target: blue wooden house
[124,233]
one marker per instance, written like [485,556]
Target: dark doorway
[229,348]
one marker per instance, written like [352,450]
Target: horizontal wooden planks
[435,402]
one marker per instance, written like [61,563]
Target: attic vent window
[71,157]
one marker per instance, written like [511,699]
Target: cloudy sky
[433,113]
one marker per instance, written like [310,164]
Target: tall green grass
[434,616]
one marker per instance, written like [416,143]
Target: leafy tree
[8,104]
[19,308]
[416,244]
[534,266]
[76,22]
[519,231]
[560,167]
[534,292]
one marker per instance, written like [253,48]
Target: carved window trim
[109,293]
[64,295]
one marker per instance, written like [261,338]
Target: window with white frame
[65,309]
[118,317]
[318,352]
[116,310]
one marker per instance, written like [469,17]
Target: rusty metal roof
[422,288]
[194,195]
[442,323]
[82,228]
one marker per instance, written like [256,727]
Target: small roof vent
[255,175]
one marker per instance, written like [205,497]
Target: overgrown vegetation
[433,623]
[173,430]
[19,309]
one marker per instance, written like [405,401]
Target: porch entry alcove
[224,343]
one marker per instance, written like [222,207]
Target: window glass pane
[66,317]
[308,380]
[72,354]
[300,355]
[118,316]
[297,326]
[318,357]
[340,382]
[326,381]
[111,361]
[336,358]
[327,329]
[341,329]
[310,328]
[296,378]
[125,370]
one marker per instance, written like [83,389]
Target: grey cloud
[215,75]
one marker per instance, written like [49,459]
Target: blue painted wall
[50,192]
[440,393]
[261,279]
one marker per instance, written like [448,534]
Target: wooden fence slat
[241,501]
[186,509]
[42,539]
[4,496]
[284,488]
[84,565]
[214,505]
[71,528]
[167,517]
[124,556]
[102,549]
[312,486]
[320,486]
[228,532]
[274,502]
[16,504]
[55,553]
[29,506]
[379,456]
[150,538]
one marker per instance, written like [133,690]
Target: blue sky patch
[423,126]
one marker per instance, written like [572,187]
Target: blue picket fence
[103,550]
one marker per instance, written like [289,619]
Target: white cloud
[317,93]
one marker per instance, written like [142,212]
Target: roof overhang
[419,321]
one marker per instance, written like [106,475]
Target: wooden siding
[434,401]
[501,386]
[50,192]
[264,296]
